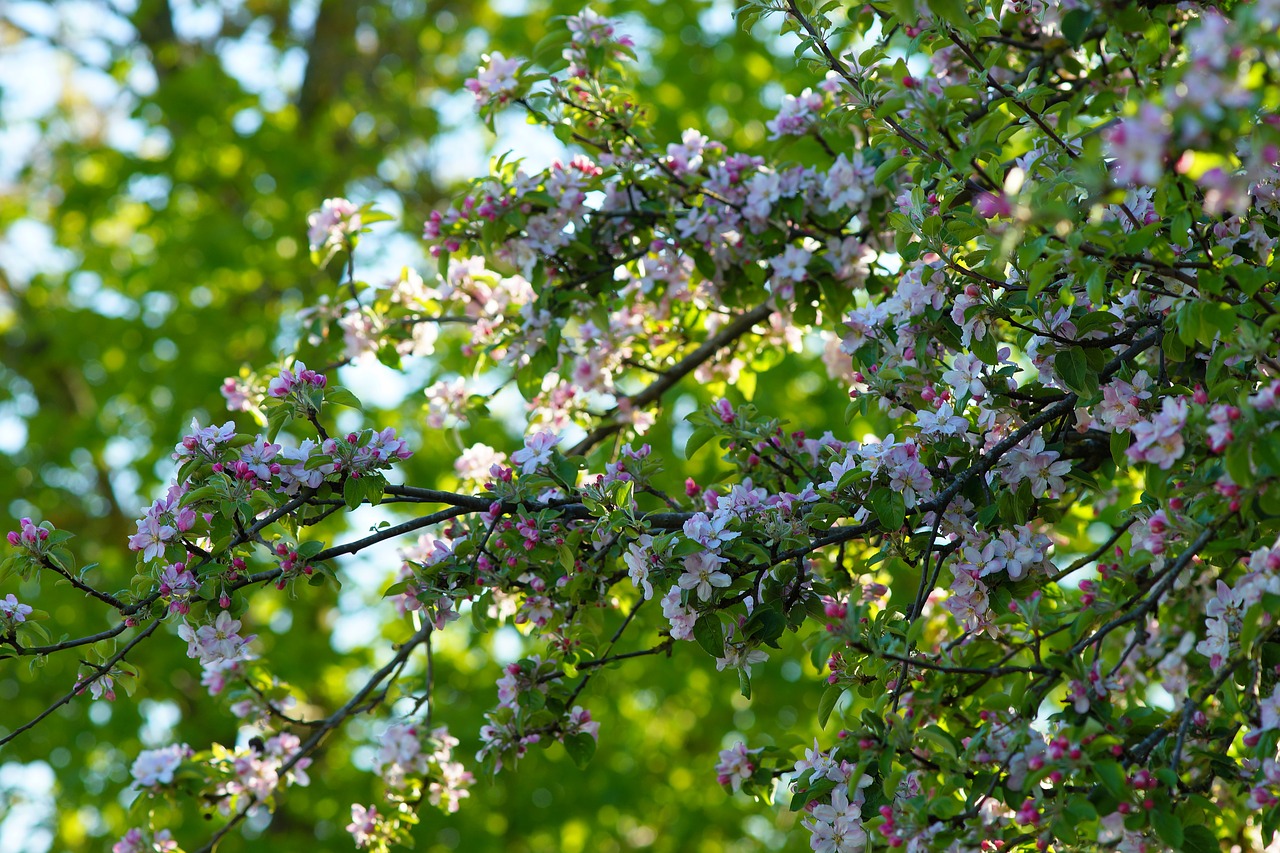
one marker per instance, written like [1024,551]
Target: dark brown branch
[99,671]
[325,726]
[651,394]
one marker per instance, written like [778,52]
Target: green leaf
[1095,321]
[1119,444]
[1064,828]
[890,508]
[1095,286]
[765,625]
[57,537]
[1041,276]
[310,548]
[1174,348]
[396,589]
[1072,366]
[699,437]
[888,168]
[62,557]
[353,492]
[1112,778]
[953,12]
[828,703]
[1217,319]
[1238,465]
[1198,838]
[339,396]
[710,634]
[532,700]
[374,486]
[314,462]
[277,419]
[985,349]
[1075,24]
[1251,623]
[1188,321]
[1168,827]
[581,747]
[529,381]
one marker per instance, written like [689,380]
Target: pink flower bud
[991,205]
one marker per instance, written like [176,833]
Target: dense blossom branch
[1037,560]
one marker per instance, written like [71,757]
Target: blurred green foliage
[158,162]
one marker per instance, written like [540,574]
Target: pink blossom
[848,183]
[157,766]
[688,155]
[797,114]
[29,535]
[132,842]
[151,538]
[701,574]
[204,441]
[331,225]
[965,376]
[818,765]
[735,766]
[1216,645]
[1160,441]
[1138,145]
[447,403]
[990,205]
[216,643]
[536,452]
[640,559]
[1269,708]
[680,617]
[943,422]
[580,722]
[495,80]
[790,265]
[283,385]
[364,824]
[738,656]
[12,612]
[709,531]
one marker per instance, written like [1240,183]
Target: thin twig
[327,725]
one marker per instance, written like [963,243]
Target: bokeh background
[158,159]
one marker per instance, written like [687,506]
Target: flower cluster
[13,612]
[332,226]
[155,767]
[1027,527]
[218,643]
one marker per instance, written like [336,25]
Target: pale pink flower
[536,452]
[157,766]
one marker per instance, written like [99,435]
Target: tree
[956,407]
[168,275]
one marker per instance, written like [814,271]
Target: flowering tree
[1031,558]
